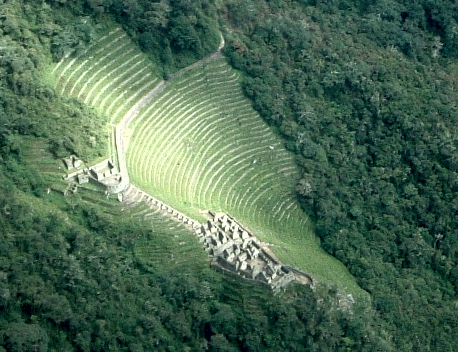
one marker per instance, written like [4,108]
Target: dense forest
[364,95]
[363,92]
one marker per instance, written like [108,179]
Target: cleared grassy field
[176,250]
[199,145]
[172,242]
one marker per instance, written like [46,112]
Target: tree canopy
[363,95]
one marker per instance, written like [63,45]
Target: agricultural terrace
[200,145]
[111,74]
[171,241]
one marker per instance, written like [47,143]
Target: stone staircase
[133,195]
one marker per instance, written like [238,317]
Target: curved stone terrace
[233,247]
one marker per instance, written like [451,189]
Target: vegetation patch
[110,74]
[75,272]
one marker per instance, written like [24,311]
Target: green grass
[172,242]
[36,155]
[199,145]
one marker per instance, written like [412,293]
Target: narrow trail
[120,128]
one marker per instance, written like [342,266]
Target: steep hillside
[362,94]
[199,145]
[111,74]
[83,273]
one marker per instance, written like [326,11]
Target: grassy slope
[111,74]
[199,145]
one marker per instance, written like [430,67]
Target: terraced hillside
[199,145]
[172,242]
[111,75]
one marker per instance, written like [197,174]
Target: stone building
[72,162]
[104,174]
[83,177]
[103,170]
[237,250]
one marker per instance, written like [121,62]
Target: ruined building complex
[236,250]
[233,247]
[104,174]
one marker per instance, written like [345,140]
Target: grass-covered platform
[111,74]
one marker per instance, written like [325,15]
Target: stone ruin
[233,247]
[73,162]
[237,250]
[104,173]
[71,189]
[75,168]
[103,170]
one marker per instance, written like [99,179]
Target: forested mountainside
[362,92]
[365,94]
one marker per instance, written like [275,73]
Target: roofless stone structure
[104,173]
[235,249]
